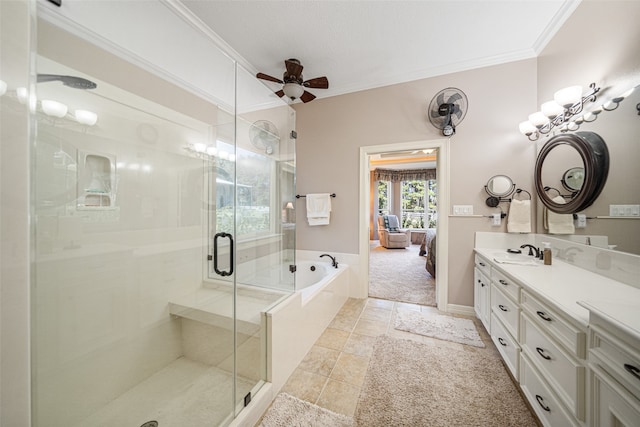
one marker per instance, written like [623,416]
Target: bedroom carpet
[443,327]
[400,275]
[409,383]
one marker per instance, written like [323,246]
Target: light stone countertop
[575,291]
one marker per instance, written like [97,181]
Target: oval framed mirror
[593,152]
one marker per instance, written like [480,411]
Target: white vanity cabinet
[481,291]
[614,361]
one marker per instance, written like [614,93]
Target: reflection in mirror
[619,128]
[573,179]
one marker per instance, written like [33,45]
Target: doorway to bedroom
[403,218]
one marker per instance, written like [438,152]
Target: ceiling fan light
[293,90]
[568,96]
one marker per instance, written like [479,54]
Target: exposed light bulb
[199,147]
[54,108]
[211,150]
[86,117]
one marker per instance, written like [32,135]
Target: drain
[150,424]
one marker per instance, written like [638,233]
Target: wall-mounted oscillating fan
[447,109]
[264,135]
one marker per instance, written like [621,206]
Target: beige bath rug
[414,384]
[446,328]
[287,411]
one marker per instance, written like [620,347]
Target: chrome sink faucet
[334,263]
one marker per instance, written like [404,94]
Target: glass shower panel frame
[123,330]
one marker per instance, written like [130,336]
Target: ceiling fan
[294,85]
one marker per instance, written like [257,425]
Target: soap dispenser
[546,253]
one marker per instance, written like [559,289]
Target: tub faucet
[334,263]
[532,249]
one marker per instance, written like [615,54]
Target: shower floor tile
[185,393]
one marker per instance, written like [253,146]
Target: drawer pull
[481,264]
[633,370]
[504,282]
[541,353]
[541,403]
[501,341]
[501,307]
[543,316]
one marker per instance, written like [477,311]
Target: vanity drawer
[506,310]
[483,265]
[506,284]
[506,345]
[551,323]
[560,369]
[616,358]
[542,400]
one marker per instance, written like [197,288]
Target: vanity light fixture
[85,117]
[54,108]
[566,104]
[23,95]
[3,87]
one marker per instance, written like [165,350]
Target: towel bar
[304,195]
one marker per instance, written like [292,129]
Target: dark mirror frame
[595,158]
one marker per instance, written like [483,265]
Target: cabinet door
[481,298]
[612,405]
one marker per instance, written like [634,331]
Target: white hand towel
[519,220]
[318,209]
[559,223]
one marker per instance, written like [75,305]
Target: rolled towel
[559,223]
[519,220]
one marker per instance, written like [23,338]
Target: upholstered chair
[390,233]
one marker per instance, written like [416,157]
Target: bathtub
[312,277]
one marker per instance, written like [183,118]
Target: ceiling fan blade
[280,93]
[307,96]
[440,99]
[317,83]
[269,78]
[293,68]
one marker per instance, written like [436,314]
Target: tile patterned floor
[333,371]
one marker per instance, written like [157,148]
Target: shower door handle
[215,254]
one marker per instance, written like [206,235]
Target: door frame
[442,226]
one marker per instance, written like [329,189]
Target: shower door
[251,191]
[134,183]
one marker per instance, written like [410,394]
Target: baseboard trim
[461,309]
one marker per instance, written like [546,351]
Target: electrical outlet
[581,221]
[496,219]
[463,209]
[624,210]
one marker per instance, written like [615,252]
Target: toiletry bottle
[546,253]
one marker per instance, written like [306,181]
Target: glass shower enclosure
[163,230]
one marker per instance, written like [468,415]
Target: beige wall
[331,130]
[487,142]
[609,56]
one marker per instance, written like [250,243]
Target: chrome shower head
[71,81]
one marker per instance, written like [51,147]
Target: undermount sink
[509,258]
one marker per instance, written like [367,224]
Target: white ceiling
[366,44]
